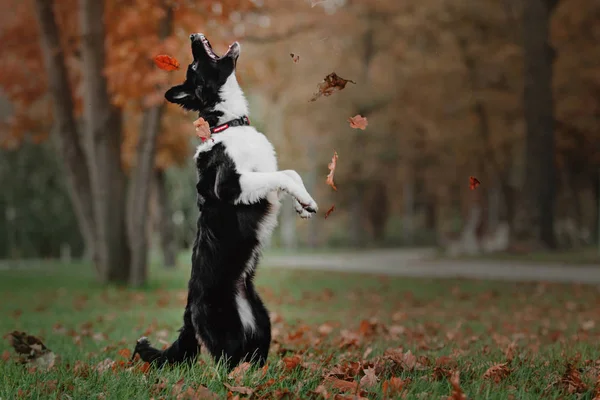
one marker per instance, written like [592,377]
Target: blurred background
[95,165]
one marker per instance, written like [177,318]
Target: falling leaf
[331,84]
[331,167]
[473,182]
[166,63]
[497,372]
[457,392]
[239,389]
[369,379]
[32,351]
[358,122]
[295,57]
[202,129]
[331,209]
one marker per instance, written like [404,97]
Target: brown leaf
[295,57]
[5,355]
[497,372]
[457,393]
[166,63]
[369,379]
[331,209]
[125,353]
[332,165]
[202,129]
[571,380]
[31,350]
[322,390]
[291,362]
[237,374]
[473,182]
[341,385]
[331,84]
[239,389]
[394,386]
[358,122]
[407,360]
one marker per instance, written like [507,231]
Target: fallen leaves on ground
[358,122]
[473,182]
[332,165]
[166,62]
[497,372]
[457,392]
[331,84]
[571,380]
[32,351]
[202,129]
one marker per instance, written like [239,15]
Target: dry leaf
[473,182]
[202,129]
[370,379]
[457,393]
[291,362]
[166,63]
[394,386]
[237,374]
[331,209]
[341,385]
[331,84]
[497,372]
[331,167]
[358,122]
[295,57]
[239,389]
[32,351]
[571,380]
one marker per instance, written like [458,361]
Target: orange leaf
[291,362]
[125,353]
[358,122]
[5,355]
[341,385]
[331,84]
[329,211]
[166,63]
[331,167]
[457,393]
[473,182]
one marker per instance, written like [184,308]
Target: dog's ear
[179,94]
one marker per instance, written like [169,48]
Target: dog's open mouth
[232,51]
[208,48]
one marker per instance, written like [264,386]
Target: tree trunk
[535,219]
[103,128]
[166,228]
[75,164]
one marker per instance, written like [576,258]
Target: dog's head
[205,76]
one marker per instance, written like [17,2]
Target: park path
[421,263]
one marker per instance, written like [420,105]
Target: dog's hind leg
[259,340]
[184,349]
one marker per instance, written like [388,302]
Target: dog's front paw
[301,211]
[308,204]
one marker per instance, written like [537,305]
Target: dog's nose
[195,36]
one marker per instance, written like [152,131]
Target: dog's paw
[308,204]
[301,211]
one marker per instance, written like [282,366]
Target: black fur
[225,251]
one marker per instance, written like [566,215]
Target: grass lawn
[506,340]
[586,256]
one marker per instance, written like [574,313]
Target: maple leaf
[331,209]
[394,386]
[291,362]
[239,371]
[202,129]
[239,389]
[497,372]
[295,57]
[332,165]
[331,84]
[457,393]
[473,182]
[369,379]
[166,63]
[571,380]
[31,350]
[358,122]
[341,385]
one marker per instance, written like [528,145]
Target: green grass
[472,322]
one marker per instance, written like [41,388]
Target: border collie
[238,199]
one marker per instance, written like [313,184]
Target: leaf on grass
[202,129]
[394,386]
[369,379]
[32,351]
[571,380]
[104,365]
[457,392]
[332,165]
[125,353]
[341,385]
[328,212]
[295,57]
[237,374]
[166,63]
[331,84]
[239,389]
[291,362]
[473,182]
[358,122]
[5,355]
[497,372]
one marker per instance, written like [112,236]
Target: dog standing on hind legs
[238,199]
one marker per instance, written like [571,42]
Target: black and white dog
[238,198]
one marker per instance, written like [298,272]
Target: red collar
[234,122]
